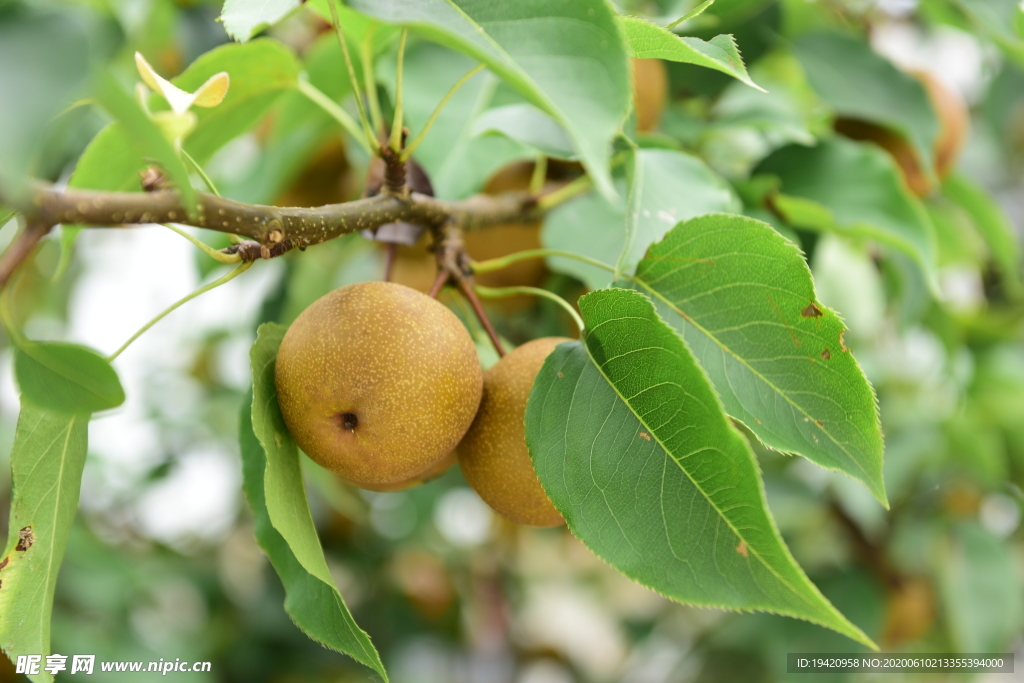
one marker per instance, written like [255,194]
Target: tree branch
[271,226]
[20,249]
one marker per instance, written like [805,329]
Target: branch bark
[271,225]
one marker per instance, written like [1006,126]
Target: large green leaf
[742,297]
[526,124]
[285,531]
[859,83]
[244,18]
[260,71]
[66,378]
[631,445]
[46,462]
[650,41]
[568,58]
[665,187]
[852,188]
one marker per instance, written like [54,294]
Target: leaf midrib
[760,376]
[668,453]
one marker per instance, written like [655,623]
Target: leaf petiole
[369,81]
[396,123]
[370,141]
[505,261]
[200,172]
[334,110]
[203,246]
[696,11]
[437,110]
[502,292]
[241,268]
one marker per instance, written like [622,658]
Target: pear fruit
[431,473]
[650,90]
[377,383]
[493,454]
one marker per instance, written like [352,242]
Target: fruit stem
[505,261]
[440,281]
[407,152]
[205,248]
[238,270]
[390,252]
[396,123]
[468,290]
[369,140]
[502,292]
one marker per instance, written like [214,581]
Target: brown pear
[377,382]
[493,455]
[650,88]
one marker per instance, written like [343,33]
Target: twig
[268,225]
[21,248]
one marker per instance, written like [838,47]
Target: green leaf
[666,186]
[854,189]
[242,19]
[146,136]
[46,462]
[260,71]
[859,83]
[990,222]
[284,525]
[742,297]
[526,125]
[568,58]
[981,590]
[631,445]
[45,58]
[650,41]
[66,378]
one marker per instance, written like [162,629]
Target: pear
[377,382]
[493,455]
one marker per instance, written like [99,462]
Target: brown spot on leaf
[820,423]
[842,341]
[561,374]
[645,436]
[4,563]
[826,354]
[742,548]
[25,539]
[812,311]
